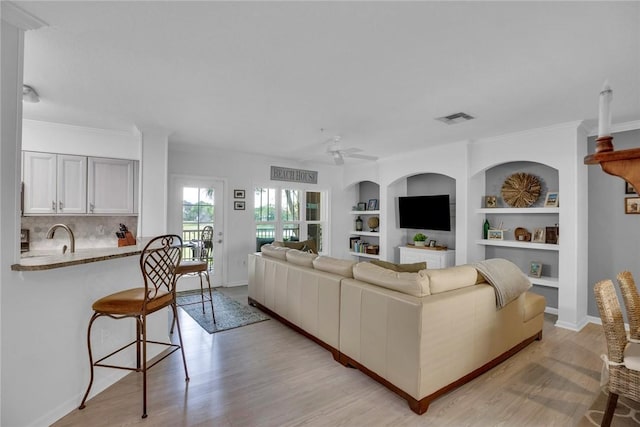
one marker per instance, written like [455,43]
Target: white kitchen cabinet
[110,186]
[433,258]
[54,183]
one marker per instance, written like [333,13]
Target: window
[197,212]
[279,215]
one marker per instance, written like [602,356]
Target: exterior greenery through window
[279,216]
[197,212]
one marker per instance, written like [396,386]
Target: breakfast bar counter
[49,259]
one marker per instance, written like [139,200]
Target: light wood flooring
[266,374]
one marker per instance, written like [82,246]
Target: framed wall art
[495,235]
[238,205]
[238,194]
[538,235]
[551,201]
[632,205]
[628,188]
[535,269]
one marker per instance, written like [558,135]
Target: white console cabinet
[433,258]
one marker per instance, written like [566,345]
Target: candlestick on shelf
[603,143]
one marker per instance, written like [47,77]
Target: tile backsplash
[89,231]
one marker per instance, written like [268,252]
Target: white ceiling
[266,77]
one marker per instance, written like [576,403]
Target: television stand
[434,257]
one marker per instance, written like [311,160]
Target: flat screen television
[425,212]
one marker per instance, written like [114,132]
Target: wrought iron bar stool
[199,265]
[158,263]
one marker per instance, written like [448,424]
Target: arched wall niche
[496,174]
[417,184]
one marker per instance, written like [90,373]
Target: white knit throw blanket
[506,278]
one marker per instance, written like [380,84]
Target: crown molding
[20,18]
[620,127]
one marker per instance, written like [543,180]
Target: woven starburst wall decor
[521,190]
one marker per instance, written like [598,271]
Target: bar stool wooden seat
[158,263]
[199,265]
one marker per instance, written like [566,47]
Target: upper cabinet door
[110,186]
[72,184]
[39,183]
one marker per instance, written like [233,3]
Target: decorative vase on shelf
[358,224]
[485,228]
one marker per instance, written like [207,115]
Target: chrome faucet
[72,239]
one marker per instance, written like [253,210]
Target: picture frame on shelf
[238,194]
[238,205]
[432,243]
[352,240]
[490,201]
[373,205]
[551,201]
[538,235]
[628,188]
[632,205]
[362,206]
[495,235]
[535,269]
[551,235]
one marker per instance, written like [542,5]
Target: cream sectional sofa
[420,334]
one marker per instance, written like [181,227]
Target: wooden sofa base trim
[334,352]
[421,406]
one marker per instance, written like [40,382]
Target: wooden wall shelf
[623,163]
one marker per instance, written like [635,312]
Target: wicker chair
[158,263]
[631,299]
[623,357]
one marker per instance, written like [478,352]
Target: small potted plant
[419,239]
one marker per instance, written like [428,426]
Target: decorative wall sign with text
[295,175]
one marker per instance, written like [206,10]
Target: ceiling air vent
[456,118]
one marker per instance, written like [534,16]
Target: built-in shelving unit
[524,252]
[364,215]
[367,190]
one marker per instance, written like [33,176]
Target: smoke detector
[454,119]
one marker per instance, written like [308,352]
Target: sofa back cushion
[448,279]
[405,268]
[341,267]
[304,259]
[416,284]
[305,245]
[274,251]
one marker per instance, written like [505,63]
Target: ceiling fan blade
[360,156]
[349,151]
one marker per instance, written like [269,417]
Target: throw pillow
[403,268]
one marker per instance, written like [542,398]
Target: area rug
[230,313]
[627,412]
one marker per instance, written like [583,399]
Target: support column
[154,181]
[14,23]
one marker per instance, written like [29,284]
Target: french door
[198,203]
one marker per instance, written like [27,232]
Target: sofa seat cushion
[328,264]
[534,305]
[416,284]
[274,251]
[448,279]
[304,259]
[405,268]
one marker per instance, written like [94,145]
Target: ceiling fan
[338,153]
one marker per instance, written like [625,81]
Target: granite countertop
[47,260]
